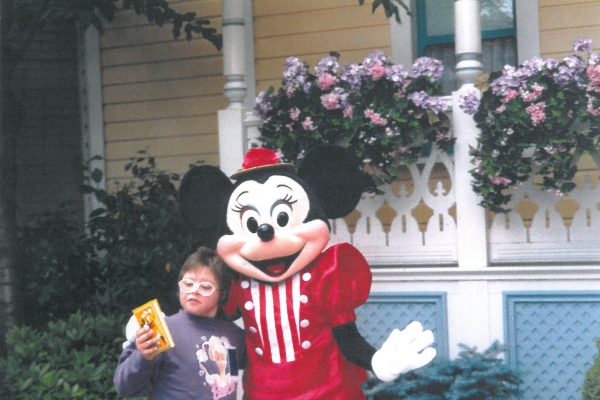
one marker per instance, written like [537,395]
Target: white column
[92,109]
[467,34]
[472,243]
[231,120]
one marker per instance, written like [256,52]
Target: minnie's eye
[250,220]
[282,214]
[283,219]
[252,225]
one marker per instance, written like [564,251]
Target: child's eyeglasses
[189,286]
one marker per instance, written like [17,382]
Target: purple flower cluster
[469,101]
[294,72]
[352,73]
[433,103]
[429,67]
[327,64]
[262,105]
[374,58]
[582,45]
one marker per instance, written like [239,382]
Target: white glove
[403,351]
[130,331]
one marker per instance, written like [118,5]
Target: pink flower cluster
[593,73]
[375,118]
[500,180]
[531,96]
[295,113]
[308,124]
[330,101]
[377,71]
[537,113]
[325,81]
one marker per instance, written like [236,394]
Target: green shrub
[131,252]
[591,384]
[139,240]
[55,275]
[471,376]
[75,358]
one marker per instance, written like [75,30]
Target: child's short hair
[207,258]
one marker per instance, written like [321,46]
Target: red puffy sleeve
[344,284]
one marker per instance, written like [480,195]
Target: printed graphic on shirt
[218,365]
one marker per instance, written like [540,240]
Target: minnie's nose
[266,232]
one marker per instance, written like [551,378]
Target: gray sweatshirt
[202,365]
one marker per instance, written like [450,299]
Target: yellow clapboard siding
[323,42]
[570,16]
[561,41]
[137,35]
[204,9]
[173,49]
[315,21]
[167,147]
[163,89]
[161,128]
[164,109]
[272,7]
[272,68]
[115,170]
[162,70]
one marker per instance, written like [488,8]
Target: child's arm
[134,372]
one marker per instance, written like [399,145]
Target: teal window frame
[423,40]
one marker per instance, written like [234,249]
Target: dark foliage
[471,376]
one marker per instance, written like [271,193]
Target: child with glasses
[208,348]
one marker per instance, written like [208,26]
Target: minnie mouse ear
[201,195]
[333,173]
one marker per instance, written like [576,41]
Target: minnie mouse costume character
[297,300]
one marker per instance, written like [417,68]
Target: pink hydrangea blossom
[330,101]
[531,96]
[593,72]
[348,111]
[377,71]
[308,124]
[295,113]
[537,113]
[375,118]
[590,106]
[402,149]
[326,80]
[510,94]
[289,91]
[500,180]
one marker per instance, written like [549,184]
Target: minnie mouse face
[272,236]
[274,221]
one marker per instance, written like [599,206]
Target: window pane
[495,14]
[439,15]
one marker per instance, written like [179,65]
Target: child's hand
[146,343]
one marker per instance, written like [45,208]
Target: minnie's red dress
[291,348]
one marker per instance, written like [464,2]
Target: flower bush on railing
[375,108]
[535,119]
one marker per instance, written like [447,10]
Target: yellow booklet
[151,315]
